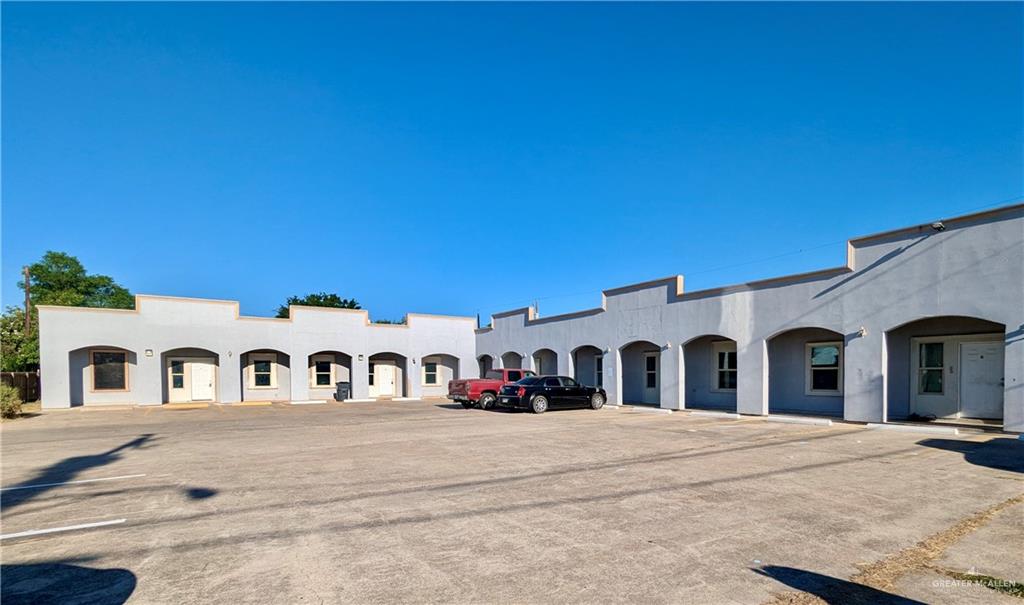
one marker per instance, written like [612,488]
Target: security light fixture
[938,226]
[149,352]
[862,332]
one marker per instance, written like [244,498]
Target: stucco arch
[485,363]
[588,365]
[798,380]
[911,390]
[511,359]
[81,376]
[545,361]
[640,375]
[711,372]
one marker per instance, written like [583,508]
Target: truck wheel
[597,401]
[539,405]
[486,401]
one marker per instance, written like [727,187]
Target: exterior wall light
[149,352]
[862,332]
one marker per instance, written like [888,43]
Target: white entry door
[383,379]
[202,376]
[981,380]
[651,382]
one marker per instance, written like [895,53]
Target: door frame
[960,386]
[657,378]
[374,390]
[951,370]
[187,385]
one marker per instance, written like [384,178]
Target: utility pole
[28,303]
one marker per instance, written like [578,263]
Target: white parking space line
[52,530]
[39,485]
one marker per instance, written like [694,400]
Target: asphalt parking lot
[427,502]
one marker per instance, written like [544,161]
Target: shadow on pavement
[42,583]
[64,471]
[832,590]
[1002,453]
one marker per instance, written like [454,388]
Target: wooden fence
[27,383]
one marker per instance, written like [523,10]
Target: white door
[981,380]
[651,390]
[383,379]
[202,376]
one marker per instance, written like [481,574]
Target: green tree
[60,279]
[56,279]
[320,299]
[19,351]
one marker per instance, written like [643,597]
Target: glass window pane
[825,380]
[552,382]
[323,379]
[514,376]
[261,366]
[931,355]
[178,381]
[730,380]
[730,360]
[323,367]
[652,363]
[825,356]
[652,380]
[177,367]
[109,371]
[931,381]
[262,380]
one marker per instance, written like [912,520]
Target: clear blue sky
[463,158]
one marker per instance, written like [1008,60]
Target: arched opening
[325,370]
[641,373]
[101,374]
[265,375]
[511,360]
[435,372]
[545,361]
[189,374]
[805,372]
[946,368]
[588,365]
[486,364]
[387,375]
[711,373]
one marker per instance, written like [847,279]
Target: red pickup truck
[483,391]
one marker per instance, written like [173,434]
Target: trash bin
[343,390]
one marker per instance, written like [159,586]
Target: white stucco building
[925,321]
[170,350]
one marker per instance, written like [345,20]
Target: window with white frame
[262,370]
[321,371]
[824,362]
[599,370]
[651,371]
[930,368]
[430,374]
[724,366]
[370,373]
[177,374]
